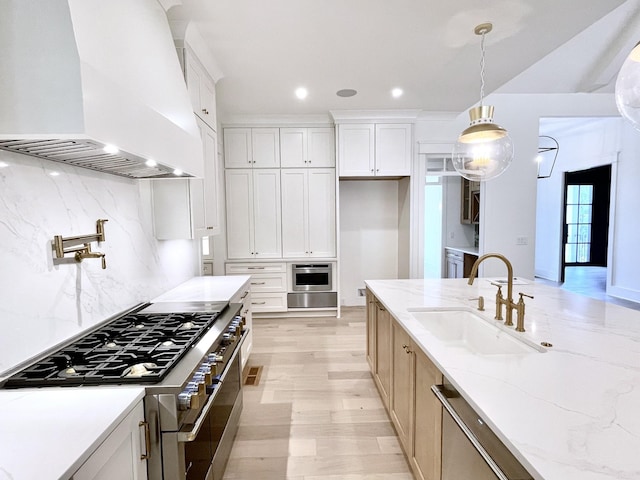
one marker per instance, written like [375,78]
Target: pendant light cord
[482,68]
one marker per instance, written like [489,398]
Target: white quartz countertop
[469,250]
[571,413]
[49,433]
[205,289]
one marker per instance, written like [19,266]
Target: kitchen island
[568,413]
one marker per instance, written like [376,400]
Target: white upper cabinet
[356,150]
[393,149]
[189,208]
[211,184]
[253,213]
[370,150]
[307,147]
[201,88]
[251,147]
[308,212]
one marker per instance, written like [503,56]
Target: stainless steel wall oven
[310,277]
[312,286]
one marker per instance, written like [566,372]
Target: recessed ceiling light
[177,172]
[396,92]
[151,163]
[3,164]
[346,92]
[302,93]
[54,174]
[111,149]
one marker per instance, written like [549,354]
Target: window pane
[572,233]
[586,194]
[572,193]
[584,233]
[572,214]
[570,253]
[584,215]
[583,252]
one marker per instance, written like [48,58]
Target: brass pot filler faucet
[80,246]
[500,300]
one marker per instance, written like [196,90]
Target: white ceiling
[266,49]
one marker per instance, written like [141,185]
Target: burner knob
[184,400]
[205,370]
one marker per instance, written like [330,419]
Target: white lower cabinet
[122,454]
[268,284]
[308,212]
[243,296]
[253,213]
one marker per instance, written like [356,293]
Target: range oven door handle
[437,391]
[191,435]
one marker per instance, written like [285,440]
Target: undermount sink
[465,329]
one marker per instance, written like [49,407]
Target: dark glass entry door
[586,217]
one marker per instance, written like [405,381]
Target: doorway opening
[587,196]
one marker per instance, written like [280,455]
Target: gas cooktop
[139,347]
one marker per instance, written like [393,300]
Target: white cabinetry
[251,147]
[307,147]
[123,453]
[201,88]
[243,296]
[172,208]
[268,284]
[308,212]
[370,150]
[186,208]
[253,213]
[454,263]
[208,222]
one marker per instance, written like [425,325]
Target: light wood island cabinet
[403,375]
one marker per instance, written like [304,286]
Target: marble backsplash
[42,304]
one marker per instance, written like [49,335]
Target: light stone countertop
[571,413]
[50,432]
[205,289]
[469,250]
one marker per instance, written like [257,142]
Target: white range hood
[77,75]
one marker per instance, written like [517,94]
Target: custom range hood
[79,75]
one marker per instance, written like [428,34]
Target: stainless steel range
[187,356]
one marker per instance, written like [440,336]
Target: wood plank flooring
[315,413]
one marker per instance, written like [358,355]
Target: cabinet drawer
[254,268]
[269,302]
[263,282]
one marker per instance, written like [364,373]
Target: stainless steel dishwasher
[470,450]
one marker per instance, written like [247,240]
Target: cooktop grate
[132,349]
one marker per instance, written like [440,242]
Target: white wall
[368,235]
[42,304]
[624,278]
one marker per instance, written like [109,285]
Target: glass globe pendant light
[483,150]
[628,88]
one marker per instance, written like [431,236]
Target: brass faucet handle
[523,295]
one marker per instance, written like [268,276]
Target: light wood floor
[316,413]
